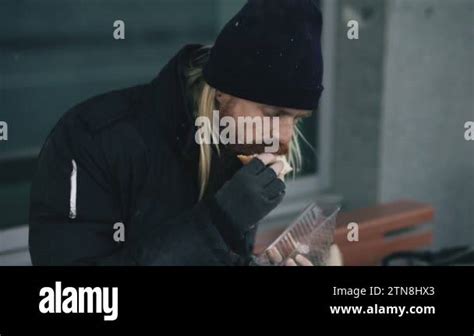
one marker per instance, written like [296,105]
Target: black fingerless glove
[246,198]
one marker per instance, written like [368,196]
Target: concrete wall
[428,96]
[357,90]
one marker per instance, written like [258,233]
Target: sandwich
[245,159]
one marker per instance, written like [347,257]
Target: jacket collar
[173,109]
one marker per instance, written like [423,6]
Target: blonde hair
[204,98]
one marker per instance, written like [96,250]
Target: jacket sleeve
[74,205]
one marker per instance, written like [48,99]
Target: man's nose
[286,130]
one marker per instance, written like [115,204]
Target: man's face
[280,121]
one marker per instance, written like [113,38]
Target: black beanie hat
[270,53]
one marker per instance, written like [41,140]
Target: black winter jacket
[129,156]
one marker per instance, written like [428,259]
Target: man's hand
[276,258]
[251,193]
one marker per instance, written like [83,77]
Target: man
[126,163]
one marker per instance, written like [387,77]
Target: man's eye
[272,113]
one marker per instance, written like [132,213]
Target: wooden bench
[383,230]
